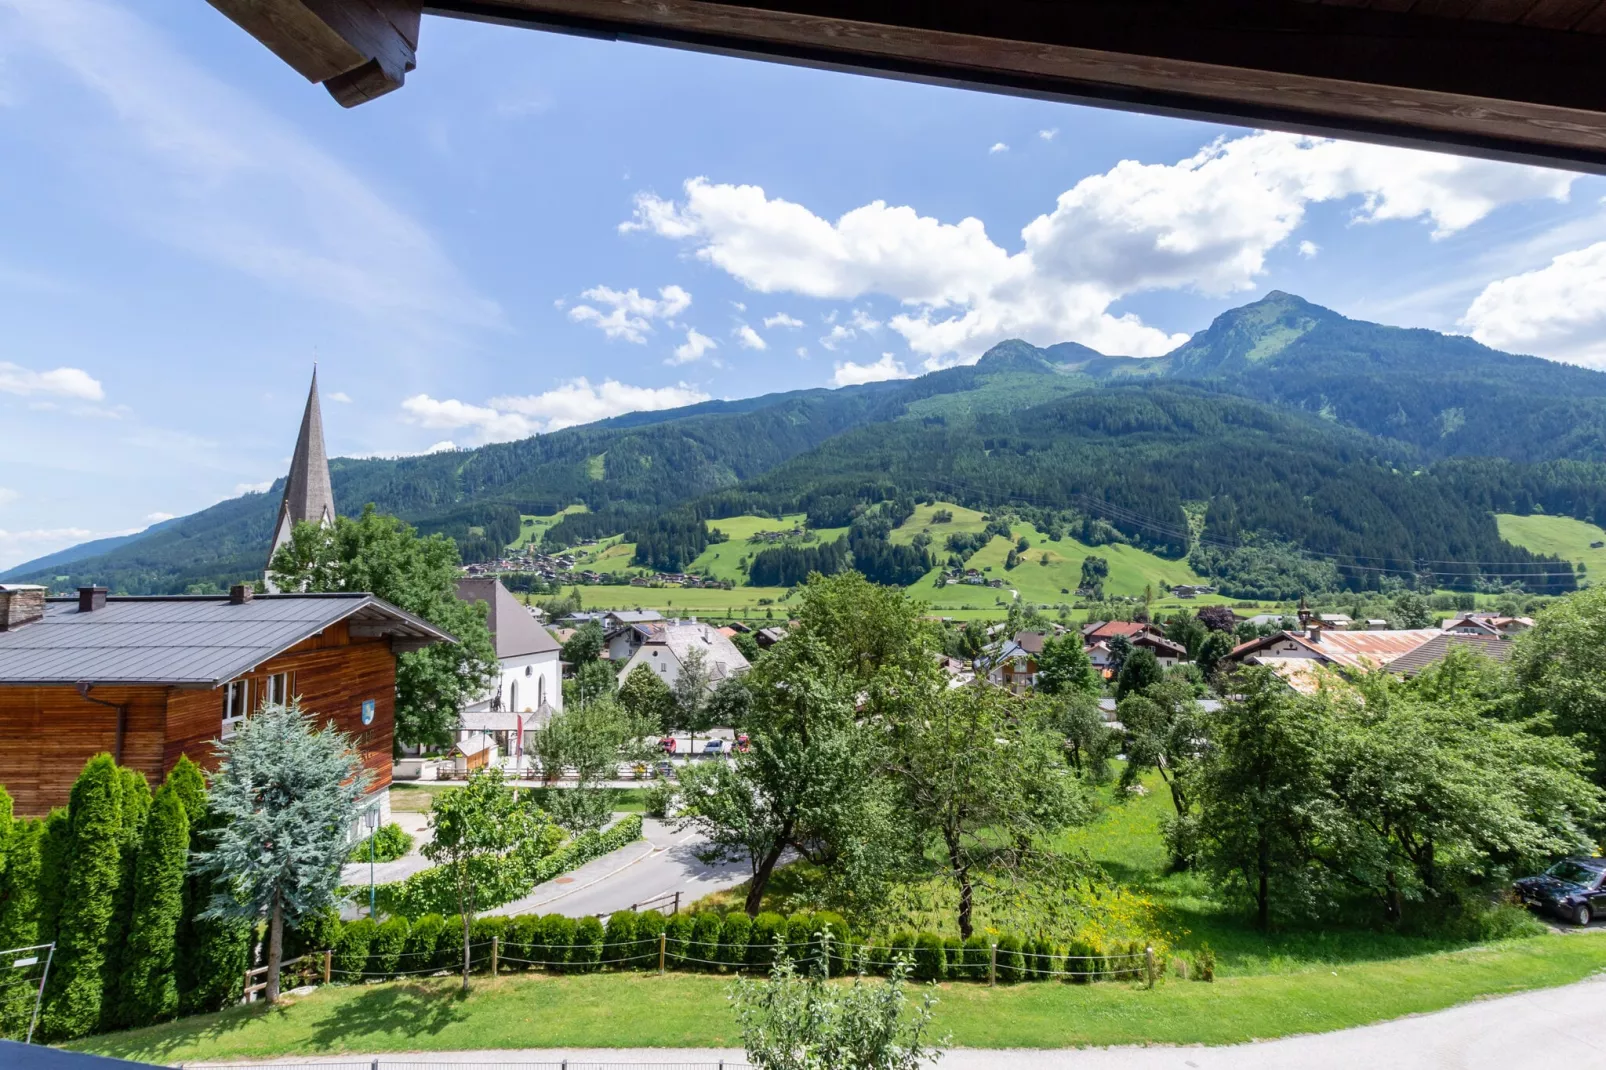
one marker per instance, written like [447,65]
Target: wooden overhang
[1521,80]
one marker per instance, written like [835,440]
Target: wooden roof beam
[358,49]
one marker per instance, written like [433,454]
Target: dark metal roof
[1438,648]
[187,641]
[514,630]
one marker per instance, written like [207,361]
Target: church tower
[308,494]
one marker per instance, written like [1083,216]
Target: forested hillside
[1283,442]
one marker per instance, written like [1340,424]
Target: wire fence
[23,973]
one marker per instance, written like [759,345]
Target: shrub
[1041,960]
[484,931]
[678,929]
[733,934]
[524,934]
[386,947]
[931,964]
[841,940]
[94,855]
[390,842]
[703,948]
[351,952]
[1010,966]
[800,936]
[649,926]
[1204,964]
[978,953]
[557,933]
[953,953]
[619,942]
[902,945]
[1081,960]
[419,953]
[659,798]
[586,951]
[449,948]
[761,942]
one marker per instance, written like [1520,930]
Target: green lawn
[1560,535]
[532,528]
[645,1010]
[722,560]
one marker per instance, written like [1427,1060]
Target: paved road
[665,863]
[1554,1028]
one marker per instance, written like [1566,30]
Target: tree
[1063,667]
[1089,742]
[1260,795]
[212,952]
[150,990]
[1165,731]
[1558,670]
[1216,646]
[473,828]
[76,988]
[382,555]
[1218,618]
[592,740]
[1095,570]
[286,794]
[1120,649]
[797,1022]
[1186,630]
[645,696]
[690,693]
[592,681]
[584,646]
[136,809]
[974,769]
[1411,610]
[1139,671]
[731,702]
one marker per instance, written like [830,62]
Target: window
[276,688]
[540,691]
[236,704]
[513,695]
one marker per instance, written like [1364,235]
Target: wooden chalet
[147,679]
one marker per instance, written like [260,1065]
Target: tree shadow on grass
[387,1011]
[159,1042]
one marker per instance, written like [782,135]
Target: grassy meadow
[1563,536]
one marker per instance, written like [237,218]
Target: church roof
[513,630]
[308,492]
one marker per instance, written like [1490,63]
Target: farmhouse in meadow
[148,679]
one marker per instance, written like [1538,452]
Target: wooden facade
[48,733]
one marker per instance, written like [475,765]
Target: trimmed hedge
[386,947]
[586,952]
[390,842]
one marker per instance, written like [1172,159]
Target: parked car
[743,744]
[714,748]
[668,744]
[1573,889]
[665,770]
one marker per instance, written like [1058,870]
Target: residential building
[625,630]
[674,641]
[1015,666]
[1488,624]
[1435,650]
[148,679]
[1297,656]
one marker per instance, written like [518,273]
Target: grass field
[721,560]
[532,528]
[646,1010]
[1560,535]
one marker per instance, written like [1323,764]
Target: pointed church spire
[308,494]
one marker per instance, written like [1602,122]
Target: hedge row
[511,877]
[388,843]
[705,942]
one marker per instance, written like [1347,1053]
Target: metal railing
[23,973]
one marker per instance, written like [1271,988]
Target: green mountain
[1375,451]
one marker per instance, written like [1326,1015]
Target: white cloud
[888,367]
[1308,249]
[501,419]
[998,146]
[863,321]
[1204,224]
[750,338]
[1048,135]
[696,344]
[803,351]
[190,160]
[252,488]
[19,546]
[157,518]
[837,336]
[1557,311]
[446,446]
[60,382]
[341,396]
[629,314]
[781,319]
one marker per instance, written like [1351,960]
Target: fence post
[992,965]
[1148,962]
[245,987]
[328,961]
[496,946]
[663,943]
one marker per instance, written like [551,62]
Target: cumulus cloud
[1308,249]
[502,419]
[629,315]
[998,146]
[157,518]
[750,339]
[1557,311]
[252,488]
[888,367]
[340,396]
[445,446]
[694,347]
[1048,135]
[1205,223]
[59,382]
[19,546]
[781,319]
[837,336]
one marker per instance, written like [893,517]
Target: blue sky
[541,230]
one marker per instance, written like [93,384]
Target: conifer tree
[149,990]
[19,912]
[136,808]
[7,827]
[55,866]
[95,817]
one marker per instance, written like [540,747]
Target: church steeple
[308,494]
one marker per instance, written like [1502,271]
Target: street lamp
[371,819]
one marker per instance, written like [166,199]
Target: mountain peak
[1014,355]
[1250,334]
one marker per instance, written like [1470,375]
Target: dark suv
[1573,889]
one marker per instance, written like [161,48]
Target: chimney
[20,603]
[91,599]
[241,593]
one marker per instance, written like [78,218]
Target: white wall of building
[525,681]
